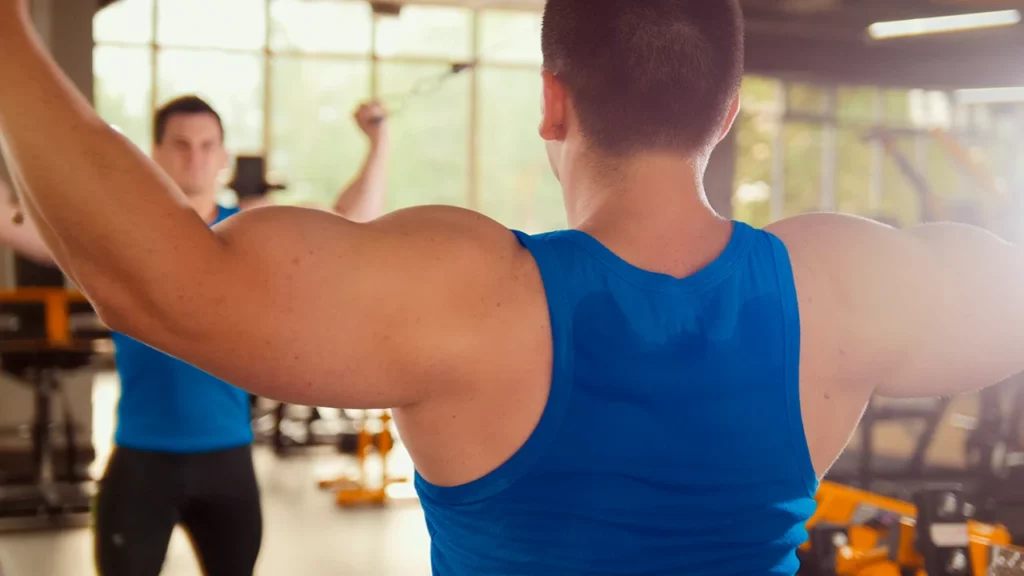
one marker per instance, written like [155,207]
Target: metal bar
[876,188]
[921,159]
[912,175]
[154,59]
[374,59]
[967,165]
[473,190]
[268,91]
[810,118]
[336,56]
[827,194]
[916,462]
[867,447]
[777,199]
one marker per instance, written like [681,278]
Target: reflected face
[192,153]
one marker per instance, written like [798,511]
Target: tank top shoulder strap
[225,212]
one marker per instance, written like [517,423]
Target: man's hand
[372,120]
[363,198]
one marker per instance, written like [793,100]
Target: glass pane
[900,200]
[323,26]
[805,98]
[239,24]
[897,107]
[930,109]
[429,137]
[754,155]
[316,147]
[122,91]
[231,83]
[853,173]
[124,21]
[510,36]
[517,187]
[760,94]
[424,31]
[856,104]
[803,168]
[943,173]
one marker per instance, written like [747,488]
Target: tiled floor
[304,532]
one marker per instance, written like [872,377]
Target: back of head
[646,74]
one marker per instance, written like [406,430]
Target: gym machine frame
[37,347]
[857,533]
[357,491]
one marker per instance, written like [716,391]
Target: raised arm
[363,198]
[295,304]
[932,310]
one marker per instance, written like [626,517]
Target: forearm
[91,191]
[364,197]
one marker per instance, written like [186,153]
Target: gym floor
[304,532]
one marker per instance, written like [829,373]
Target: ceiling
[825,40]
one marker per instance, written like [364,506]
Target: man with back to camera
[183,437]
[751,352]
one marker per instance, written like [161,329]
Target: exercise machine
[349,491]
[43,333]
[288,428]
[858,533]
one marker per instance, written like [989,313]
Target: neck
[654,193]
[205,206]
[652,212]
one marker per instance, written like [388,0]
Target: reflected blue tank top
[672,440]
[167,405]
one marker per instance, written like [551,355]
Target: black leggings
[144,495]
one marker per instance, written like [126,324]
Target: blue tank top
[167,405]
[672,440]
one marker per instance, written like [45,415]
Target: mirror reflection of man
[183,439]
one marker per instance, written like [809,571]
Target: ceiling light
[990,95]
[943,24]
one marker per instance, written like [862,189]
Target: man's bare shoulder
[440,233]
[823,231]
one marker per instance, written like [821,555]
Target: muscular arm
[294,304]
[933,310]
[363,198]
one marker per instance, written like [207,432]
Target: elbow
[118,314]
[120,305]
[135,320]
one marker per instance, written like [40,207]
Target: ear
[734,110]
[554,108]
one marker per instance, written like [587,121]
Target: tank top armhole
[791,324]
[547,429]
